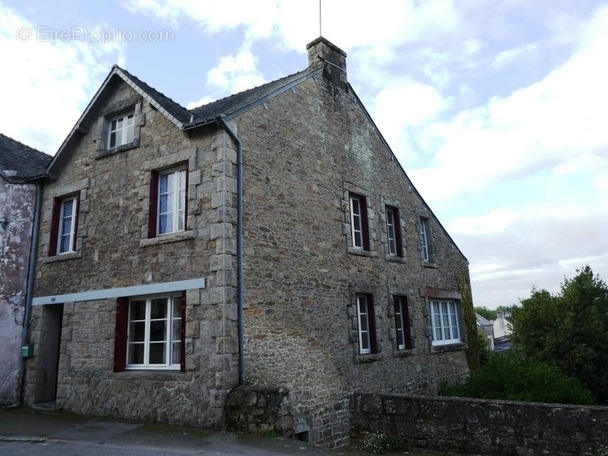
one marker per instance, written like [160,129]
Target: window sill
[368,358]
[448,347]
[115,150]
[395,258]
[361,252]
[168,238]
[429,264]
[62,257]
[403,353]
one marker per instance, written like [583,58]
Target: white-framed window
[402,323]
[366,324]
[444,322]
[358,222]
[67,225]
[425,239]
[393,231]
[121,130]
[154,333]
[171,209]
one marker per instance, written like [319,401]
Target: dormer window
[121,130]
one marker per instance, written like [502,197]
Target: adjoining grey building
[20,166]
[268,238]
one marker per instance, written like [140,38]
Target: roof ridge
[24,145]
[242,92]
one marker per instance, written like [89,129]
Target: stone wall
[17,203]
[113,250]
[483,426]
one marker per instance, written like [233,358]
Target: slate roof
[26,161]
[172,107]
[234,104]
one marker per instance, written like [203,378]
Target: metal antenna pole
[320,30]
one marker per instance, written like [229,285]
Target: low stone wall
[483,426]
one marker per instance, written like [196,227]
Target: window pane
[176,353]
[68,207]
[157,353]
[177,309]
[138,310]
[136,354]
[158,330]
[137,331]
[158,308]
[163,183]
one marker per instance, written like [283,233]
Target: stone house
[269,238]
[20,165]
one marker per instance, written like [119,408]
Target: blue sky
[497,110]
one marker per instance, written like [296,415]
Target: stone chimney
[323,53]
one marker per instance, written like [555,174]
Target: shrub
[512,376]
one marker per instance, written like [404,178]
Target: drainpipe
[239,242]
[29,290]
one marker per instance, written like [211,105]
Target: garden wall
[483,426]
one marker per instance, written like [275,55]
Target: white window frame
[445,322]
[364,322]
[172,336]
[356,222]
[425,239]
[121,130]
[391,230]
[67,232]
[400,323]
[175,212]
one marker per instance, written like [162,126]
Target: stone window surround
[347,189]
[384,230]
[351,310]
[120,108]
[168,161]
[82,189]
[433,294]
[392,334]
[432,261]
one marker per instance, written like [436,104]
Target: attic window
[121,130]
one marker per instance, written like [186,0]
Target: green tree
[516,377]
[568,330]
[486,313]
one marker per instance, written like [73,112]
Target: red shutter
[186,204]
[364,223]
[153,205]
[55,226]
[373,341]
[407,326]
[120,341]
[182,355]
[398,242]
[76,214]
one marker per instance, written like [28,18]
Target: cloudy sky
[498,110]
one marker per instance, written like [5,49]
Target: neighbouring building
[20,165]
[268,238]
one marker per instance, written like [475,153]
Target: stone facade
[305,149]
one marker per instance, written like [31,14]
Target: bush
[512,376]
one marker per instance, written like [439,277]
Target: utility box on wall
[27,351]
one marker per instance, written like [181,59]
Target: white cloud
[555,120]
[236,73]
[46,83]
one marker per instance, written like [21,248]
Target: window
[402,323]
[168,197]
[393,229]
[366,324]
[358,222]
[150,333]
[64,225]
[425,239]
[121,130]
[444,322]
